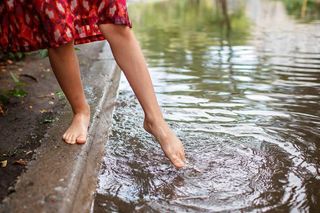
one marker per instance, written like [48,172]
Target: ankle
[84,110]
[153,120]
[154,124]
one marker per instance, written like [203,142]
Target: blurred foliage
[17,56]
[17,90]
[11,56]
[43,53]
[307,10]
[60,95]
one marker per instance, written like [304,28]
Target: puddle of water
[241,91]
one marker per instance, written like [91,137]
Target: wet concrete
[62,176]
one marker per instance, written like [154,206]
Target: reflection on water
[241,91]
[307,10]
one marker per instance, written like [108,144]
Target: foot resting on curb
[78,130]
[169,142]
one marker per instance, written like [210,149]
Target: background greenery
[308,10]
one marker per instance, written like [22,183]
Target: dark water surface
[239,83]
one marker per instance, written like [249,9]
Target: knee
[116,31]
[62,48]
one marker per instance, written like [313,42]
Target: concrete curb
[63,177]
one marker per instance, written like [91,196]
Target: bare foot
[169,142]
[77,131]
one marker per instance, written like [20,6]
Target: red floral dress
[27,25]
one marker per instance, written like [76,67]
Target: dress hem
[79,40]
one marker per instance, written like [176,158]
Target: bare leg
[128,55]
[65,65]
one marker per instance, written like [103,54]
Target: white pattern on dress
[57,35]
[60,7]
[49,13]
[101,6]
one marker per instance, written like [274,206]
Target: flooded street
[239,82]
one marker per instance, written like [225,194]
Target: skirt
[28,25]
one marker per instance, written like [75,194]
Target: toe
[81,139]
[65,137]
[68,139]
[177,162]
[72,139]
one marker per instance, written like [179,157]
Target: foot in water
[169,142]
[78,130]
